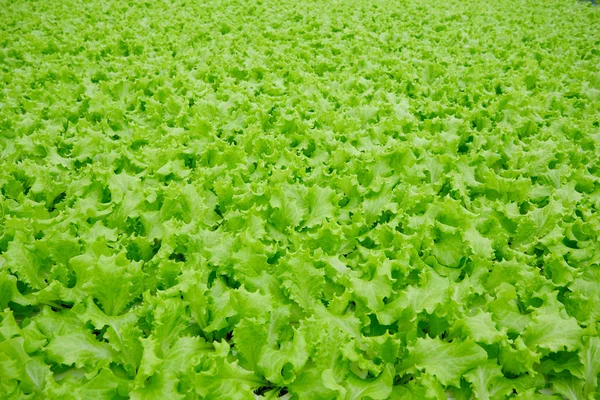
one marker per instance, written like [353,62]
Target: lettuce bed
[307,200]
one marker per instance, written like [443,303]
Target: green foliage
[299,200]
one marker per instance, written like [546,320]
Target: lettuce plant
[299,200]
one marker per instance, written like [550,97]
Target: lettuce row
[357,200]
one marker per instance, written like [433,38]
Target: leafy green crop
[306,200]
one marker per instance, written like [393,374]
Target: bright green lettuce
[308,201]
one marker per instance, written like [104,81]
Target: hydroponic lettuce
[306,200]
